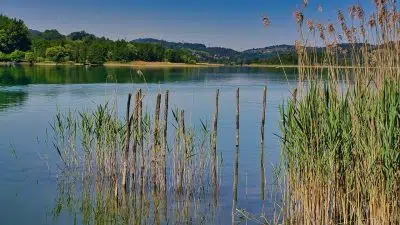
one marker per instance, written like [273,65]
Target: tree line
[18,43]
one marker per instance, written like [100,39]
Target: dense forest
[18,43]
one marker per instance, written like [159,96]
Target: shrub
[16,56]
[30,57]
[57,53]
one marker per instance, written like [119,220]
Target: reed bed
[341,127]
[128,164]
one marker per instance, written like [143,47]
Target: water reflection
[24,75]
[9,99]
[80,202]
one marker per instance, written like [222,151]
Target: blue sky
[235,24]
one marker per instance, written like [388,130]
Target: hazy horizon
[236,25]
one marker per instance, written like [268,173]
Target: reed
[130,152]
[341,127]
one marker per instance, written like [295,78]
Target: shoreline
[134,64]
[143,64]
[268,66]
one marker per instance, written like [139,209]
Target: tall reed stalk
[341,130]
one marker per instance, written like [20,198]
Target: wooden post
[237,117]
[263,114]
[235,184]
[165,144]
[135,143]
[236,168]
[127,142]
[156,147]
[163,180]
[214,148]
[185,148]
[262,173]
[140,131]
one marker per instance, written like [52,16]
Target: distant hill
[200,51]
[223,55]
[83,47]
[272,49]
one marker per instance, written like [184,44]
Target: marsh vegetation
[340,130]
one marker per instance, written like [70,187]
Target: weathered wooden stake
[185,148]
[237,117]
[156,147]
[127,142]
[164,154]
[165,144]
[262,173]
[235,185]
[236,168]
[263,114]
[214,148]
[135,143]
[140,131]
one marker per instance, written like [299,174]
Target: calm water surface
[31,96]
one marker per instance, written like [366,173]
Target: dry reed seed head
[353,10]
[396,17]
[321,30]
[331,28]
[340,17]
[349,35]
[360,12]
[331,46]
[266,21]
[299,17]
[372,21]
[305,3]
[380,3]
[298,45]
[382,16]
[310,25]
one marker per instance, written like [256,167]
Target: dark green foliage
[285,59]
[17,56]
[123,51]
[52,35]
[97,53]
[81,35]
[30,57]
[57,54]
[13,35]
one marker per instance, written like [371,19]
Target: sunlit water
[31,96]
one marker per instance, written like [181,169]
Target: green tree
[30,57]
[77,50]
[57,54]
[13,35]
[97,53]
[16,56]
[52,35]
[81,35]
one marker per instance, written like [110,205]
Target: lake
[30,97]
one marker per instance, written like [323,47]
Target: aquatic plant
[341,127]
[131,160]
